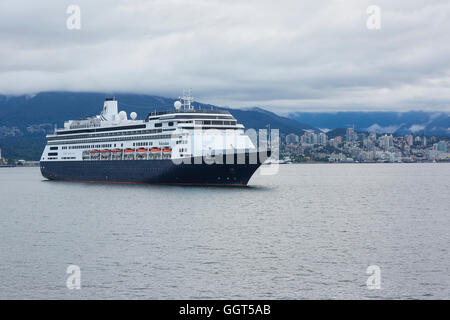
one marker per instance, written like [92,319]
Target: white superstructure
[180,133]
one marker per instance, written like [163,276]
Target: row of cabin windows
[177,116]
[142,144]
[181,142]
[89,146]
[160,136]
[136,144]
[215,128]
[159,124]
[97,135]
[222,123]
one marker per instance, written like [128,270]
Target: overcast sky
[282,55]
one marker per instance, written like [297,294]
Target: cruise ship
[184,145]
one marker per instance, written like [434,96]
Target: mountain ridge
[410,122]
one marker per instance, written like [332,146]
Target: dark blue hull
[152,171]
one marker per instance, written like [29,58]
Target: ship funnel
[110,110]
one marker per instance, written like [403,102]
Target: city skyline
[356,146]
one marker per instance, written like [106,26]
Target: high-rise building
[350,135]
[369,144]
[322,139]
[386,142]
[409,139]
[442,146]
[309,138]
[292,139]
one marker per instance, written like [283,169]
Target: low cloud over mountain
[285,56]
[416,122]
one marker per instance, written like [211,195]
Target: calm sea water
[310,231]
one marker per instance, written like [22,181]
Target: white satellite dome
[122,115]
[133,115]
[177,105]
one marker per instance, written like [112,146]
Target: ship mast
[187,100]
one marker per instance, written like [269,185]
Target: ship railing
[160,113]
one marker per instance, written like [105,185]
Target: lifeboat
[117,150]
[128,150]
[106,151]
[95,151]
[142,150]
[155,150]
[167,150]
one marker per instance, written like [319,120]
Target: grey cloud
[282,55]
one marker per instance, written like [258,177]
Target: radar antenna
[186,100]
